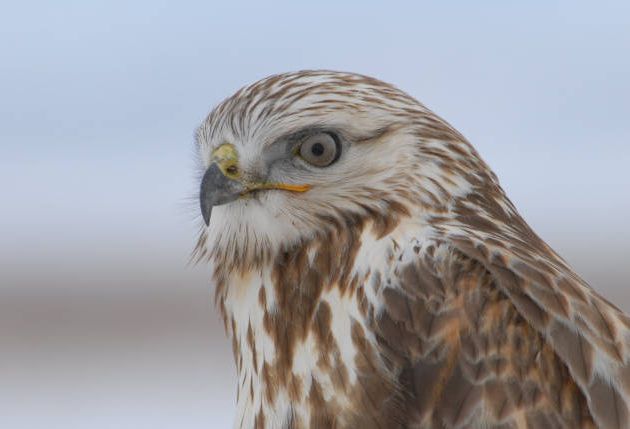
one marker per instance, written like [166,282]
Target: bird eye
[320,150]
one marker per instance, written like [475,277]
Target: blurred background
[102,322]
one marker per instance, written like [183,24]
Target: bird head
[298,154]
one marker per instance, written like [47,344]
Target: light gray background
[102,324]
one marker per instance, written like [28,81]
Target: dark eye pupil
[317,149]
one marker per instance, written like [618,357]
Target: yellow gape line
[282,186]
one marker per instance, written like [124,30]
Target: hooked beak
[217,187]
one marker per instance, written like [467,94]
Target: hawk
[372,273]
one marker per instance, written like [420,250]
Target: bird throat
[299,333]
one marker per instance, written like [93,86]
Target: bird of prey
[372,273]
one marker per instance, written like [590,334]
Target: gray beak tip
[216,189]
[206,211]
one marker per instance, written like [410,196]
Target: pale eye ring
[321,149]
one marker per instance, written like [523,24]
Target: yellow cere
[226,157]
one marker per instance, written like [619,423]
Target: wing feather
[495,286]
[478,349]
[586,332]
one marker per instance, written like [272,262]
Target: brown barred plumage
[403,289]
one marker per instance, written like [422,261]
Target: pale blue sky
[100,99]
[94,92]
